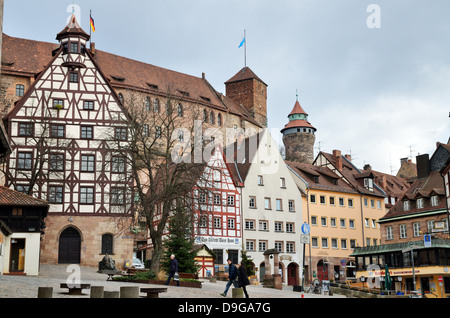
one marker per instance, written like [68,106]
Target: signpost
[411,249]
[304,238]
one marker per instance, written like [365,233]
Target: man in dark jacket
[173,268]
[232,274]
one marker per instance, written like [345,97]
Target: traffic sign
[305,228]
[304,238]
[427,240]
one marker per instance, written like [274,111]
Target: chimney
[349,157]
[367,167]
[93,48]
[383,182]
[423,166]
[338,158]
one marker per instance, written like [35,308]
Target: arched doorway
[69,246]
[293,274]
[262,271]
[322,270]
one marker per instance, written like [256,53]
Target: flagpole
[90,29]
[245,49]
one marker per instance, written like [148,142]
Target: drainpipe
[362,221]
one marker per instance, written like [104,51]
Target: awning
[398,247]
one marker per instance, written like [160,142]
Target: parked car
[137,263]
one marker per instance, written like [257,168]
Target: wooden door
[69,247]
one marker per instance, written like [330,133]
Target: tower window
[73,47]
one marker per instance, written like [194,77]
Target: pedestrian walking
[243,280]
[232,274]
[173,270]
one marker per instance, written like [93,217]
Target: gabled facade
[64,132]
[271,208]
[217,218]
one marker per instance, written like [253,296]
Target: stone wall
[299,147]
[91,229]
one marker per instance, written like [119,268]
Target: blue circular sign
[305,228]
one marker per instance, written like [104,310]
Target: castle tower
[248,90]
[298,136]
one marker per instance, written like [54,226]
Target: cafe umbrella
[387,279]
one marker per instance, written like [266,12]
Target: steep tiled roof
[297,123]
[297,109]
[421,188]
[244,74]
[320,178]
[10,197]
[28,58]
[353,175]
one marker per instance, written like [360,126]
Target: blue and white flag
[242,42]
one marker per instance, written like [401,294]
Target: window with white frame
[250,245]
[263,226]
[389,233]
[282,182]
[217,223]
[419,203]
[267,203]
[403,231]
[279,204]
[279,246]
[262,246]
[291,205]
[289,227]
[278,226]
[231,223]
[252,202]
[249,224]
[416,229]
[406,206]
[434,200]
[324,242]
[290,247]
[314,242]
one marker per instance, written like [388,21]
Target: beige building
[342,206]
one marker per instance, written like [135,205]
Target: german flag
[92,24]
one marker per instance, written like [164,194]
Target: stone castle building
[299,136]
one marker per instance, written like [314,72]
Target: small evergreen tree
[248,263]
[180,241]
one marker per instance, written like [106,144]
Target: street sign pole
[305,231]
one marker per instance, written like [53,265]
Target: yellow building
[342,206]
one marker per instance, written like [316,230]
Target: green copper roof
[398,247]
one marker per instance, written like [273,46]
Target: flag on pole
[92,23]
[242,43]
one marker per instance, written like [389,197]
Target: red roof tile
[14,198]
[297,109]
[244,74]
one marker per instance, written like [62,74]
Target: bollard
[237,293]
[111,294]
[45,292]
[129,292]
[97,291]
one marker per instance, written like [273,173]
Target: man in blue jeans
[232,274]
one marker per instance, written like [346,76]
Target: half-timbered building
[218,210]
[64,132]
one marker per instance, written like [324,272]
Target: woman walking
[243,278]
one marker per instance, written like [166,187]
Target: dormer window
[406,206]
[419,203]
[434,200]
[368,184]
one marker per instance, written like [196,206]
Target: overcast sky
[375,80]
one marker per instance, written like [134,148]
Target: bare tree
[165,155]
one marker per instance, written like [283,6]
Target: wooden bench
[153,292]
[75,289]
